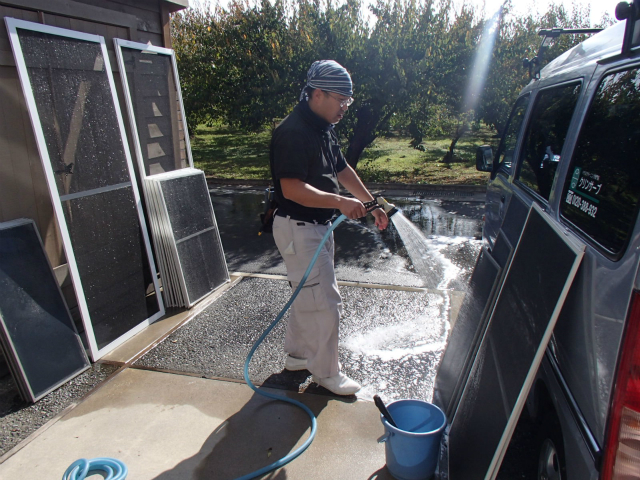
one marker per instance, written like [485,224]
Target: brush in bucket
[412,445]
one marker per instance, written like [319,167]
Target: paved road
[391,338]
[452,229]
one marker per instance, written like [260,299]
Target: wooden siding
[23,188]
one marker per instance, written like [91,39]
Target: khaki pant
[312,330]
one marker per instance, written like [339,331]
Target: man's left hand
[381,218]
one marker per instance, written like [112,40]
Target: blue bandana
[330,76]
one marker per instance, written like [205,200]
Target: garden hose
[83,468]
[390,209]
[283,461]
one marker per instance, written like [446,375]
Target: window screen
[545,136]
[154,99]
[602,188]
[67,82]
[36,330]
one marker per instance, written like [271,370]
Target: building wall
[23,188]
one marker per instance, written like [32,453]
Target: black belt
[280,213]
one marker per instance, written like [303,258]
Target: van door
[599,202]
[498,189]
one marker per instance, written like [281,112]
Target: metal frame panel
[464,337]
[11,351]
[12,26]
[178,289]
[143,47]
[493,375]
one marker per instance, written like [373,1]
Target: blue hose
[80,469]
[283,461]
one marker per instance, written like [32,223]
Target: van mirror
[484,158]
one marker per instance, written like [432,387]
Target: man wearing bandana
[307,167]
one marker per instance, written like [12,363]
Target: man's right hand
[352,208]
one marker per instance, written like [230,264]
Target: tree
[411,67]
[518,39]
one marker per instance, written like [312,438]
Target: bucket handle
[385,437]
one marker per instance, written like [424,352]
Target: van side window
[545,137]
[508,143]
[602,188]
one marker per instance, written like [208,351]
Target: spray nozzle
[389,208]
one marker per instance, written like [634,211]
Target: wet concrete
[390,340]
[363,254]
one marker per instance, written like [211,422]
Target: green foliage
[228,153]
[246,65]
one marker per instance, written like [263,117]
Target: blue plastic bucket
[412,449]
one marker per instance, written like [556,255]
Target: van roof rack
[631,13]
[548,36]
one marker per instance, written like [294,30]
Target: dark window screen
[196,234]
[601,191]
[545,136]
[540,273]
[76,110]
[112,262]
[84,142]
[154,97]
[39,337]
[466,333]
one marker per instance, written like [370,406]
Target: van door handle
[501,208]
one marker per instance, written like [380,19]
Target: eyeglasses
[343,103]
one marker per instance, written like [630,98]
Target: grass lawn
[223,152]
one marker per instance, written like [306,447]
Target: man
[306,166]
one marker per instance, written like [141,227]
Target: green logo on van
[575,178]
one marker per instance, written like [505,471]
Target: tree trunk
[365,132]
[460,131]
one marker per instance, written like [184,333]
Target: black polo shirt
[304,146]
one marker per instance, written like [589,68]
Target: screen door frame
[119,43]
[12,25]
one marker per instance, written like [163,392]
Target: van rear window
[602,188]
[545,136]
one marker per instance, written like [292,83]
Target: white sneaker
[339,384]
[294,364]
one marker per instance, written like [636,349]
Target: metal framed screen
[528,305]
[193,262]
[466,333]
[152,92]
[40,341]
[68,86]
[479,300]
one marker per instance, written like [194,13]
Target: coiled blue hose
[82,468]
[283,461]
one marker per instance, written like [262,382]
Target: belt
[280,213]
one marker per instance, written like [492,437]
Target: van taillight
[622,453]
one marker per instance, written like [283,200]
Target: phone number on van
[581,203]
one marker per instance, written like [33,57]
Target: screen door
[68,85]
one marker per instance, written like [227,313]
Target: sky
[598,7]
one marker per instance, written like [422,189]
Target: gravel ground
[391,340]
[19,419]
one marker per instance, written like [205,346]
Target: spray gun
[389,208]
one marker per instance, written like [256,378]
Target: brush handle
[383,410]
